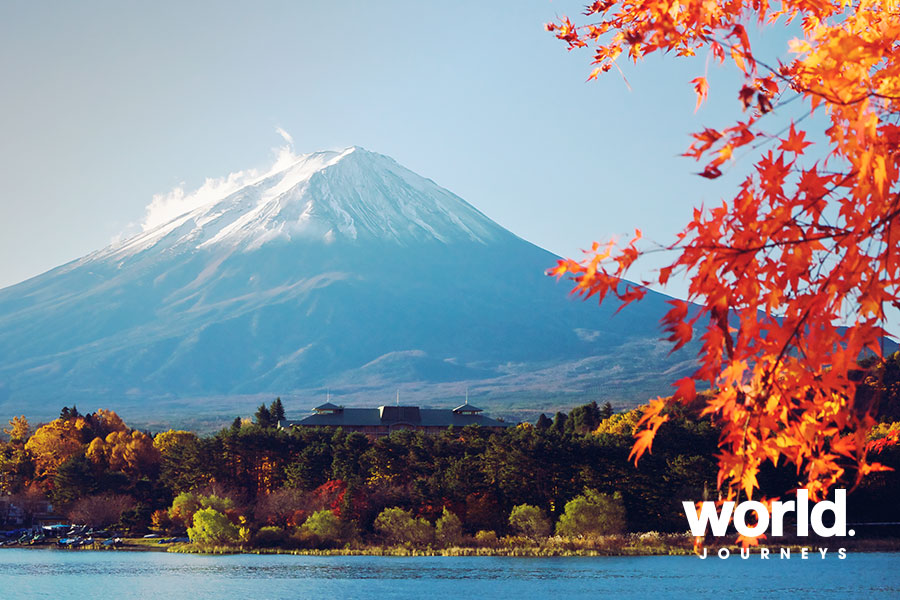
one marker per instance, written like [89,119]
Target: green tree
[136,520]
[401,527]
[448,529]
[529,521]
[326,526]
[187,504]
[529,466]
[592,514]
[69,413]
[263,416]
[347,464]
[559,423]
[75,478]
[276,411]
[269,537]
[181,462]
[183,508]
[220,503]
[486,538]
[583,419]
[607,411]
[211,528]
[310,469]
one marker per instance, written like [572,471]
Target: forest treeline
[311,487]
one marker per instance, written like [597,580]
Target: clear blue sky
[104,104]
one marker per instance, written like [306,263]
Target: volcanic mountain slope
[342,270]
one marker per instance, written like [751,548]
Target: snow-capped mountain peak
[327,196]
[333,269]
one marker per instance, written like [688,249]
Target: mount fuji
[340,270]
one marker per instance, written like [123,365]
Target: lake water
[68,574]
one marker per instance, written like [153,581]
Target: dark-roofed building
[376,422]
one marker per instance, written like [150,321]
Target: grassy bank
[522,551]
[629,545]
[647,544]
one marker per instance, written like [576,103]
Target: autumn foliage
[54,443]
[132,452]
[19,430]
[792,275]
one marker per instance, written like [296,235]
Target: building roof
[467,408]
[326,407]
[387,416]
[400,414]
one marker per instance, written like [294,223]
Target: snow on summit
[325,196]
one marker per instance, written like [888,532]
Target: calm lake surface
[67,574]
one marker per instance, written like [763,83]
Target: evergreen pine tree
[559,423]
[276,411]
[74,479]
[263,416]
[606,412]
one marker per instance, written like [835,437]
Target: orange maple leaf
[795,142]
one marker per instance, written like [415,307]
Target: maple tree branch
[735,48]
[799,265]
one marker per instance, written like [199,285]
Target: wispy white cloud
[285,135]
[178,201]
[165,207]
